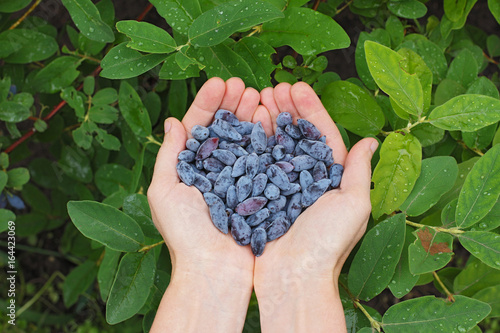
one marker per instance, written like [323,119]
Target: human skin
[295,279]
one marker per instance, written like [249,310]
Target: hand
[210,272]
[299,271]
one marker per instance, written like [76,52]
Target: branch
[22,18]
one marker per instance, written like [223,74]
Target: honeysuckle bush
[426,88]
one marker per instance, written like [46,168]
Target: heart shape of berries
[256,186]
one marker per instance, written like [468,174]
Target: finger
[262,114]
[357,170]
[165,173]
[234,89]
[267,99]
[205,104]
[283,98]
[248,104]
[309,107]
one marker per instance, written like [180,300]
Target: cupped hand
[180,212]
[322,237]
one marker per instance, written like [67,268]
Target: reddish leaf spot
[426,238]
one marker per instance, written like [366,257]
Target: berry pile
[256,186]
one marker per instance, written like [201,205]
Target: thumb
[165,173]
[357,169]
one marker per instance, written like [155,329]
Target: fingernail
[374,146]
[167,125]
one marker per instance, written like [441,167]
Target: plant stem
[450,295]
[153,140]
[375,324]
[477,151]
[452,231]
[493,61]
[47,284]
[344,7]
[22,18]
[316,5]
[149,247]
[46,252]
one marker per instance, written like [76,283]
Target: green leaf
[427,134]
[305,38]
[410,9]
[133,111]
[103,114]
[354,108]
[78,281]
[414,64]
[184,60]
[493,45]
[356,321]
[107,272]
[110,177]
[57,75]
[446,90]
[75,164]
[26,46]
[107,225]
[121,62]
[3,180]
[4,160]
[431,53]
[13,112]
[137,206]
[170,70]
[454,9]
[463,69]
[105,96]
[88,20]
[491,220]
[373,265]
[5,217]
[214,26]
[463,170]
[75,99]
[24,99]
[177,98]
[437,177]
[8,6]
[494,7]
[257,54]
[466,113]
[146,37]
[431,251]
[403,280]
[40,125]
[396,172]
[481,189]
[474,277]
[37,200]
[130,289]
[430,314]
[324,80]
[395,29]
[83,135]
[107,141]
[17,177]
[223,62]
[89,85]
[490,296]
[390,76]
[483,245]
[178,14]
[282,75]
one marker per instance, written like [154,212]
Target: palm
[323,235]
[180,212]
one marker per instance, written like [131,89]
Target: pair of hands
[298,270]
